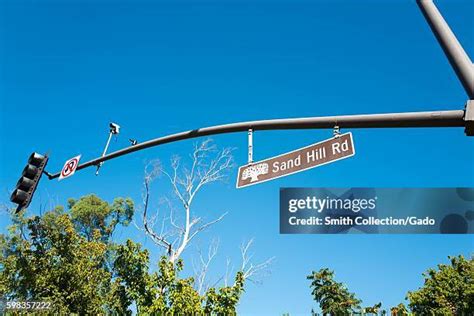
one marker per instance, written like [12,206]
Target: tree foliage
[375,309]
[333,297]
[399,310]
[164,292]
[45,258]
[90,213]
[70,259]
[449,290]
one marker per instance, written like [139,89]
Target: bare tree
[207,165]
[173,228]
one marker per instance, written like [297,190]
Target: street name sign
[315,155]
[69,167]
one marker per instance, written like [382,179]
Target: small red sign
[69,167]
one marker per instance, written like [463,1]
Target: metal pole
[453,118]
[250,140]
[104,152]
[458,58]
[107,144]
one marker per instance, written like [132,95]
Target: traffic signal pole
[414,119]
[456,55]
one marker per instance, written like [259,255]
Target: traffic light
[26,186]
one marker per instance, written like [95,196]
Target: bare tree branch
[159,239]
[202,268]
[253,272]
[207,165]
[203,227]
[180,225]
[228,270]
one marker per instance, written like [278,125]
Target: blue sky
[70,67]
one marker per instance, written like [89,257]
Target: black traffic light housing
[26,185]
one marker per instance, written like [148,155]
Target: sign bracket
[336,131]
[49,175]
[114,130]
[250,146]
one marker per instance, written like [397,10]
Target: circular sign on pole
[70,167]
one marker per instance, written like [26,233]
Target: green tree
[45,258]
[70,259]
[449,290]
[224,301]
[90,213]
[333,297]
[399,310]
[62,256]
[163,292]
[372,309]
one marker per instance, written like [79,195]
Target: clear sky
[69,67]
